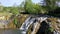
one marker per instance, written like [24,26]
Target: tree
[50,4]
[21,7]
[32,8]
[14,10]
[28,6]
[51,7]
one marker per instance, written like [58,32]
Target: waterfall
[26,24]
[42,18]
[33,20]
[29,21]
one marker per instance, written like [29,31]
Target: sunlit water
[10,31]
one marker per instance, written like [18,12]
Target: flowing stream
[10,31]
[26,24]
[30,21]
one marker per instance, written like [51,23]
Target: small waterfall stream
[26,24]
[31,20]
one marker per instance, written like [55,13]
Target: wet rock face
[49,26]
[44,28]
[54,24]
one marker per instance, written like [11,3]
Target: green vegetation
[51,29]
[13,10]
[32,8]
[15,22]
[29,7]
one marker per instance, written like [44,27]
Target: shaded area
[55,12]
[44,29]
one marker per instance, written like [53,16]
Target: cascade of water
[36,24]
[21,28]
[26,24]
[41,18]
[30,21]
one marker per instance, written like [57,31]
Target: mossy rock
[54,24]
[11,25]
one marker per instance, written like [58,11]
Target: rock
[36,27]
[58,20]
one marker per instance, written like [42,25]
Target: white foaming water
[28,22]
[26,25]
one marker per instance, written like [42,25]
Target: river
[10,31]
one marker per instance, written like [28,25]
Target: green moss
[51,29]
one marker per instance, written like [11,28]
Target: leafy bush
[15,22]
